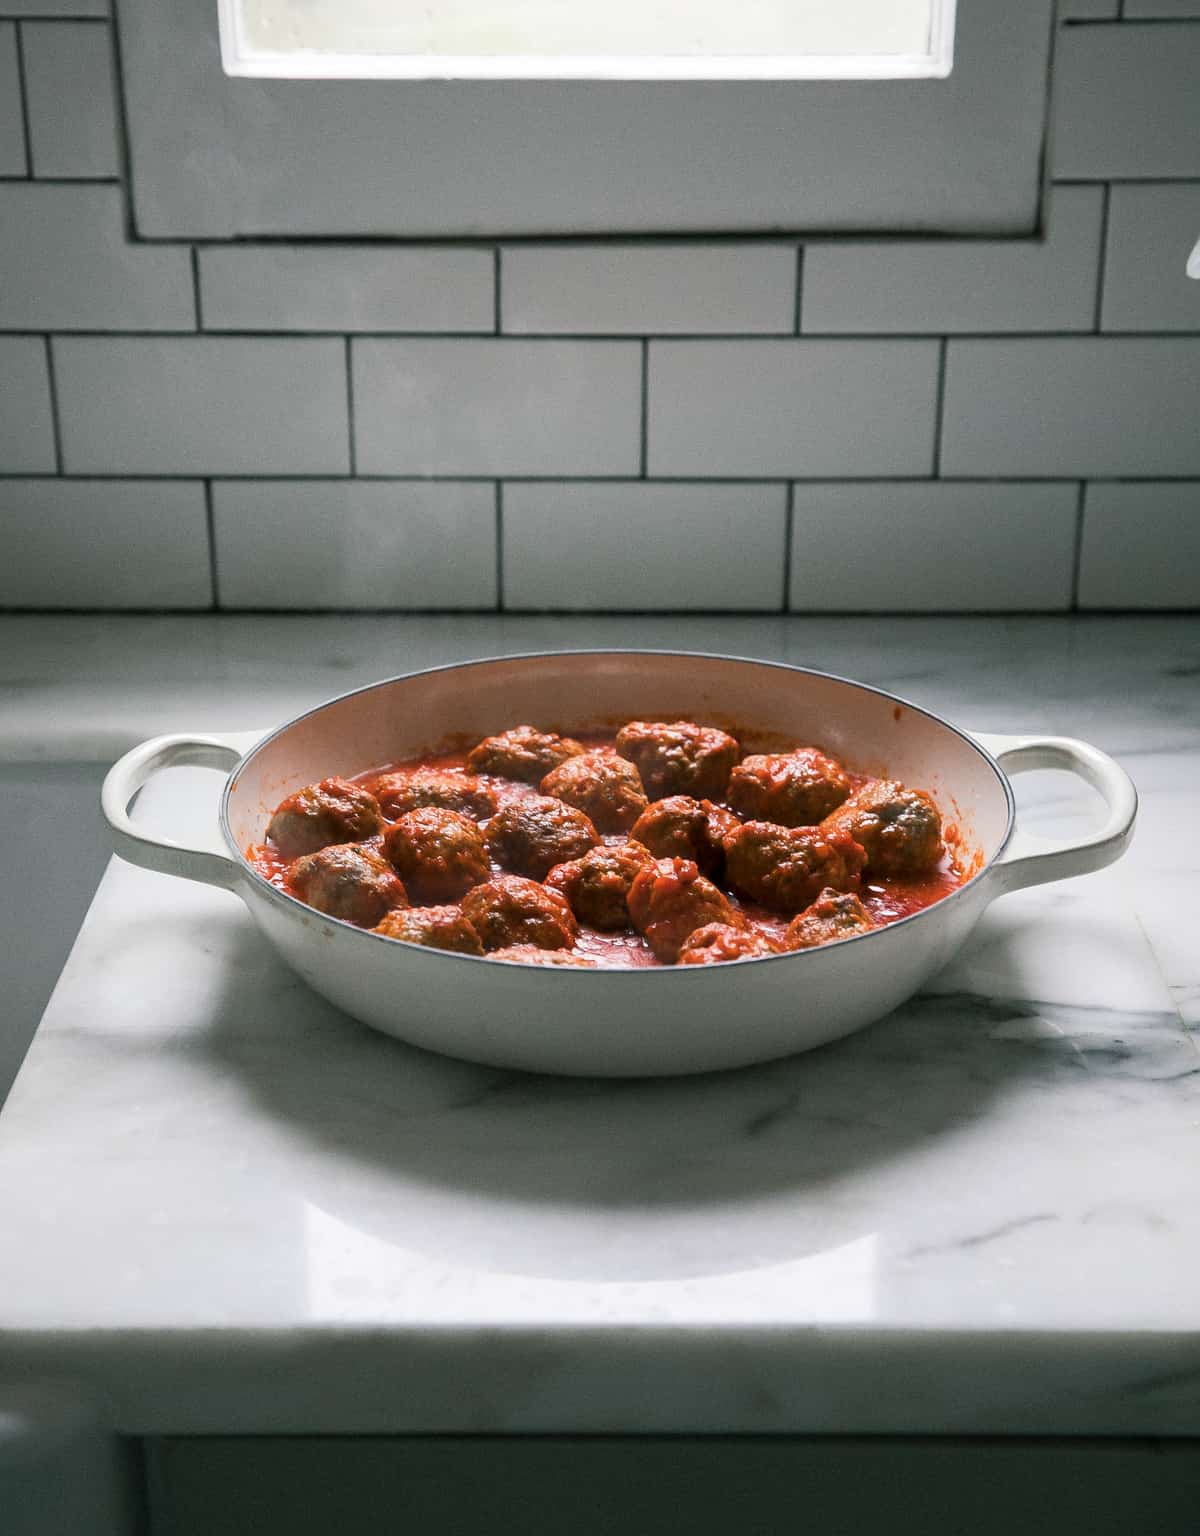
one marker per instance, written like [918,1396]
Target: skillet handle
[139,765]
[1026,861]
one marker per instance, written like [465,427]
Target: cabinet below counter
[706,1487]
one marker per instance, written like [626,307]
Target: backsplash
[827,425]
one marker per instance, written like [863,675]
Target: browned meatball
[532,835]
[795,789]
[682,828]
[462,792]
[787,867]
[899,828]
[333,811]
[434,927]
[670,899]
[530,954]
[605,788]
[348,881]
[597,885]
[834,915]
[679,759]
[717,942]
[522,753]
[510,910]
[439,854]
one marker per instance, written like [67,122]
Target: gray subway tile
[355,544]
[1079,406]
[637,545]
[12,129]
[72,101]
[778,408]
[497,407]
[1151,232]
[68,267]
[1126,102]
[648,289]
[944,286]
[104,544]
[1088,10]
[932,546]
[202,405]
[1141,546]
[347,288]
[26,421]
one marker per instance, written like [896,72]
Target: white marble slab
[232,1209]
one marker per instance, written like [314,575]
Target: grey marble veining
[234,1209]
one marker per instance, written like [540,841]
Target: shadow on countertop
[498,1168]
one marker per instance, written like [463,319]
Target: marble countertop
[231,1209]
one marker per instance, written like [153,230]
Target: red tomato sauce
[887,901]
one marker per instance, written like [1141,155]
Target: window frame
[215,158]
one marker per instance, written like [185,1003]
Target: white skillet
[623,1022]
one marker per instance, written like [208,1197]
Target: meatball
[679,759]
[532,835]
[434,927]
[333,811]
[682,828]
[795,789]
[530,954]
[787,867]
[400,792]
[670,899]
[348,881]
[509,910]
[717,942]
[899,828]
[438,854]
[834,915]
[607,789]
[597,885]
[522,753]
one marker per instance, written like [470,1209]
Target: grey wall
[835,424]
[49,823]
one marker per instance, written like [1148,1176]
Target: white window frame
[239,58]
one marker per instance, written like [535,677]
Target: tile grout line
[1102,265]
[789,525]
[133,235]
[210,523]
[55,422]
[1045,154]
[196,299]
[939,407]
[1078,553]
[497,310]
[799,289]
[500,546]
[644,470]
[467,477]
[352,446]
[719,339]
[17,610]
[22,87]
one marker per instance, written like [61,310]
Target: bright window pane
[601,38]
